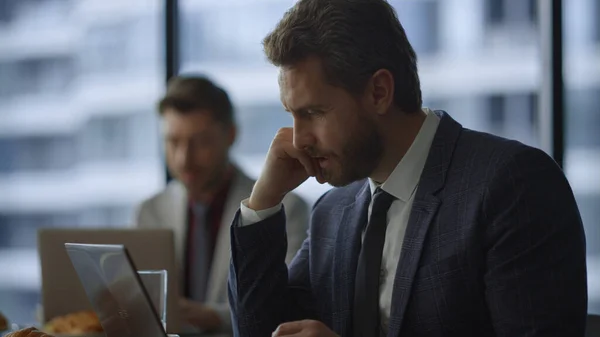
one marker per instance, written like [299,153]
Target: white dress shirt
[402,184]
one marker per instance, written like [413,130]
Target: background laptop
[115,290]
[62,292]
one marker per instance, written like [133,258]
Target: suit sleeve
[297,213]
[262,292]
[535,250]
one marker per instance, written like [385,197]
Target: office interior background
[79,133]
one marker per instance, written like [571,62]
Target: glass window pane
[78,128]
[479,60]
[582,117]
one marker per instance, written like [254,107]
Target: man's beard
[359,158]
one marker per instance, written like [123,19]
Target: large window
[78,130]
[79,80]
[582,121]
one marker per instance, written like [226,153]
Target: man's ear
[381,90]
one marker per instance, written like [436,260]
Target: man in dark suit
[434,229]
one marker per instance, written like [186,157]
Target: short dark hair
[353,39]
[188,94]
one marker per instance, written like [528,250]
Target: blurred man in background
[200,203]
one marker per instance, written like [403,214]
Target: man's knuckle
[313,325]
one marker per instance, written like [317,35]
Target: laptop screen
[115,291]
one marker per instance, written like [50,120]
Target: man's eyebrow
[306,108]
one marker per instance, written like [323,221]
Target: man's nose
[303,137]
[182,155]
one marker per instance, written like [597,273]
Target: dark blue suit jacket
[494,247]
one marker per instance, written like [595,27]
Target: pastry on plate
[29,332]
[78,323]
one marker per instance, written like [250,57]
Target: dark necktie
[200,263]
[366,290]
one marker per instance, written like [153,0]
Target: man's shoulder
[152,209]
[493,151]
[173,189]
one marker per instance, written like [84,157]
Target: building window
[596,15]
[8,10]
[420,19]
[36,75]
[514,116]
[260,123]
[582,128]
[192,35]
[19,230]
[37,153]
[8,153]
[105,216]
[500,12]
[105,48]
[496,110]
[105,138]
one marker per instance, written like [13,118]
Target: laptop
[62,293]
[115,290]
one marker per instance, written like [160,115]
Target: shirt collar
[403,181]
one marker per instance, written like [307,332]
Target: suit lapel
[347,249]
[425,206]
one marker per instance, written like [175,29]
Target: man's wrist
[261,203]
[250,216]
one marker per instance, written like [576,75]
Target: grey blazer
[168,209]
